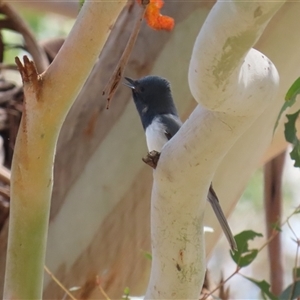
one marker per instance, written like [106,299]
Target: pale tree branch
[48,98]
[233,85]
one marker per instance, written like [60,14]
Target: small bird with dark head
[154,102]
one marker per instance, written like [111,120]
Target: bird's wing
[171,123]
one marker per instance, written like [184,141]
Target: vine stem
[222,283]
[275,232]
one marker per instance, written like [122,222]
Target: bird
[160,119]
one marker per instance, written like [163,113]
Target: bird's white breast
[155,136]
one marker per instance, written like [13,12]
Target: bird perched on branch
[154,102]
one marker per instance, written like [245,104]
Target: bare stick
[59,283]
[115,79]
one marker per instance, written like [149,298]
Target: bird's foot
[152,159]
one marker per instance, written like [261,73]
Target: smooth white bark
[49,97]
[233,86]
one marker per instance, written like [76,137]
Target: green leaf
[290,99]
[293,91]
[81,2]
[283,108]
[244,256]
[264,287]
[263,295]
[296,273]
[291,292]
[126,293]
[276,226]
[290,130]
[295,155]
[290,133]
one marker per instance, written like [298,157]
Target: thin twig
[276,232]
[59,283]
[296,262]
[294,273]
[292,230]
[101,289]
[115,79]
[263,246]
[222,283]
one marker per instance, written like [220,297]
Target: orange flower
[153,17]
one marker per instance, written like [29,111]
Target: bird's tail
[214,201]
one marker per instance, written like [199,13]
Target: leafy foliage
[264,287]
[290,131]
[244,256]
[290,98]
[293,290]
[276,226]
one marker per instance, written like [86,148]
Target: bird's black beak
[130,83]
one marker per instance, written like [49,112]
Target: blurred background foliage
[44,25]
[249,214]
